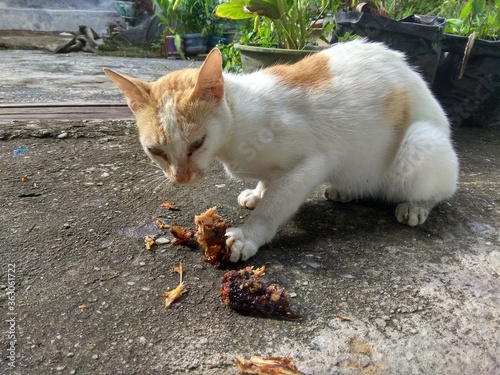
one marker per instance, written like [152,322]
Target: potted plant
[468,79]
[193,18]
[217,30]
[188,22]
[418,36]
[281,29]
[170,17]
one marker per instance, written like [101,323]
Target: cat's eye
[196,144]
[157,152]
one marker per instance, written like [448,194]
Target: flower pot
[419,37]
[254,58]
[194,44]
[170,48]
[472,100]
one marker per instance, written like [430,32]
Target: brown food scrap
[25,178]
[243,290]
[169,205]
[343,317]
[149,241]
[258,365]
[161,225]
[180,270]
[81,307]
[182,236]
[211,235]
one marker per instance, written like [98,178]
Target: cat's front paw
[410,214]
[334,195]
[240,247]
[249,198]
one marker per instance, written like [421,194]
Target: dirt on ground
[78,198]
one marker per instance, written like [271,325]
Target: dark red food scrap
[244,290]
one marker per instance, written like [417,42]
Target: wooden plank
[64,111]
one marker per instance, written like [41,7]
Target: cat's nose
[181,178]
[180,175]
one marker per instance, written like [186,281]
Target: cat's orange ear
[210,82]
[135,90]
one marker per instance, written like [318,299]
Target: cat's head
[177,117]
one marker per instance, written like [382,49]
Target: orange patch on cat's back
[396,107]
[312,71]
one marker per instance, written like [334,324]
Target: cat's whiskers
[150,187]
[152,183]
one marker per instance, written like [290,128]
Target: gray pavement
[41,76]
[88,296]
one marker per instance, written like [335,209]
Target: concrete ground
[78,197]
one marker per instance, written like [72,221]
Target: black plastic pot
[213,40]
[473,100]
[194,44]
[419,37]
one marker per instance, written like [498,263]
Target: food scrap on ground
[343,317]
[211,235]
[173,295]
[243,290]
[182,236]
[179,269]
[161,225]
[258,365]
[81,307]
[169,205]
[25,178]
[149,241]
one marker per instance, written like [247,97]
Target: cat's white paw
[410,214]
[249,198]
[334,195]
[240,247]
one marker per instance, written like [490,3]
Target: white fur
[292,140]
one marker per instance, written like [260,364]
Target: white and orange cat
[354,116]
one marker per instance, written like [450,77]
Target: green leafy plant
[170,17]
[231,61]
[284,22]
[479,16]
[196,15]
[189,16]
